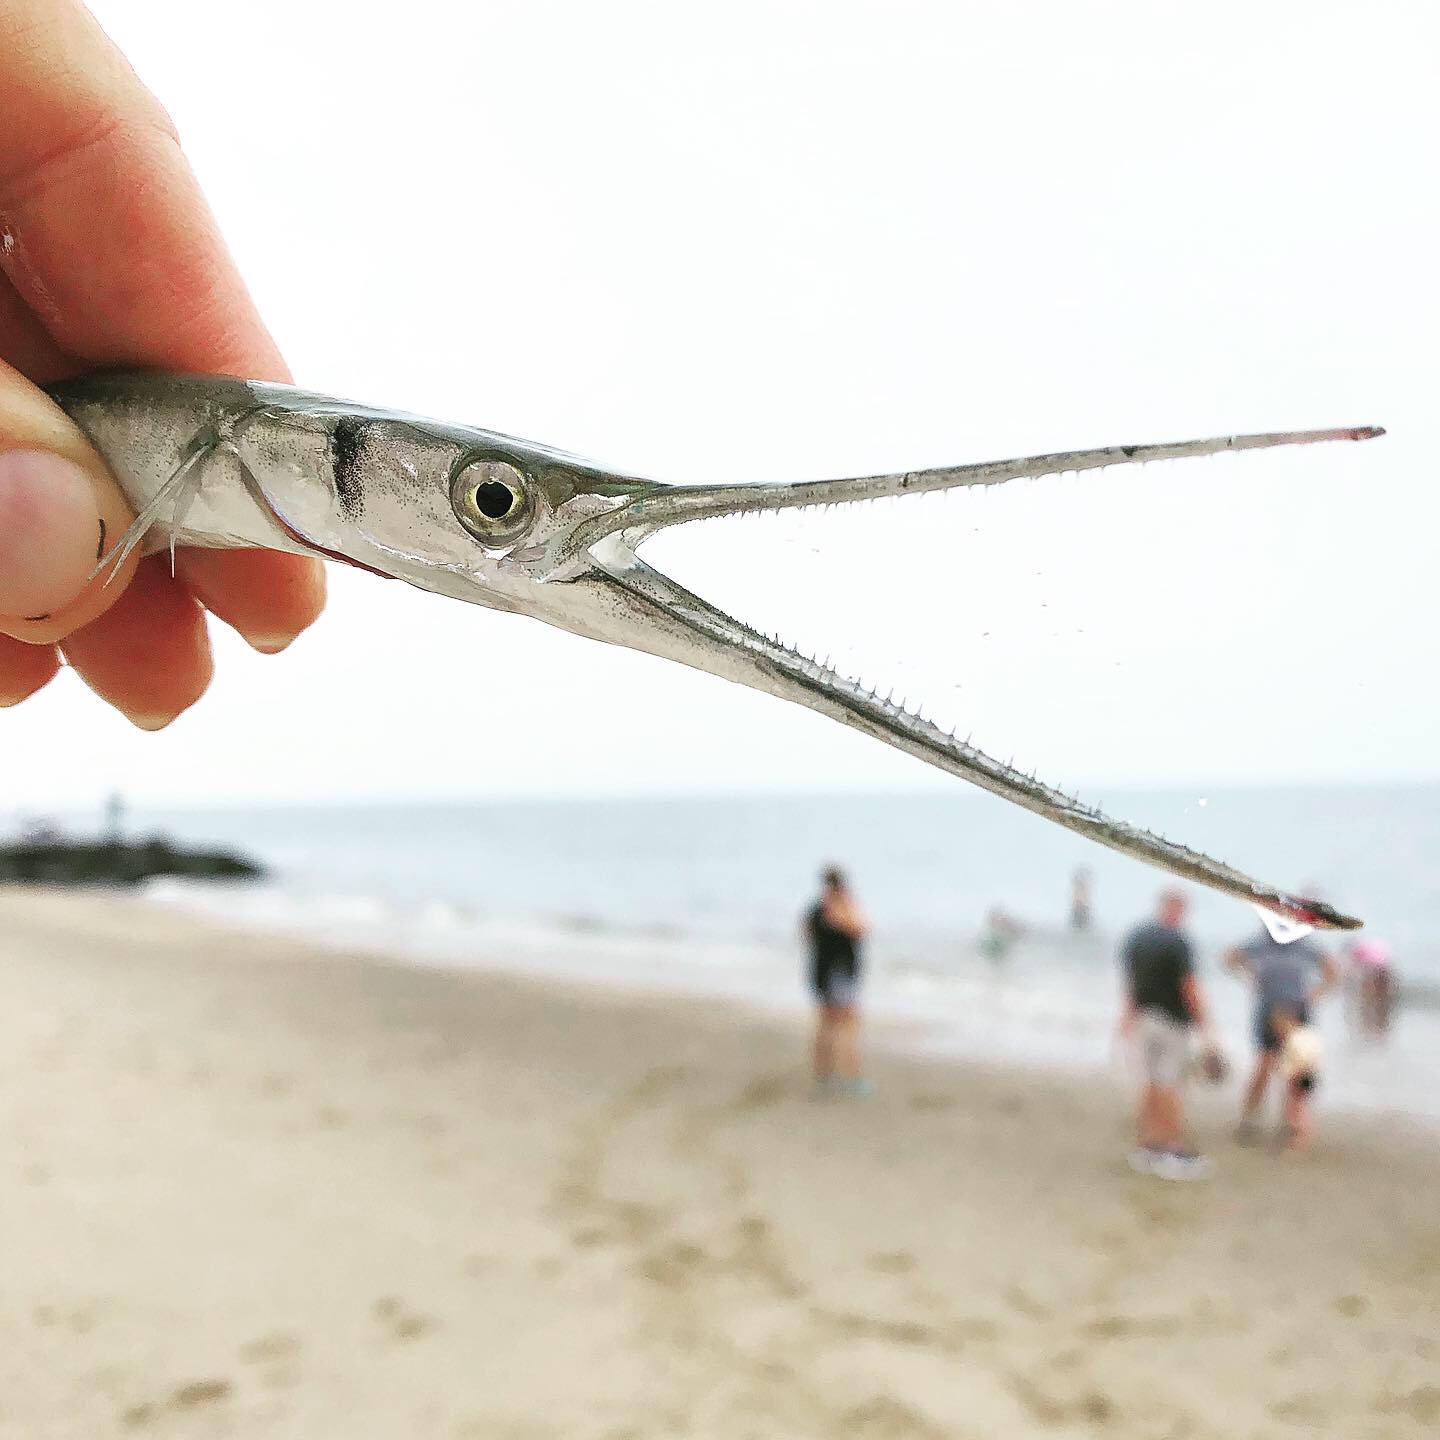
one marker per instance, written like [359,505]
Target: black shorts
[1265,1036]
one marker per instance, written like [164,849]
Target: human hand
[109,256]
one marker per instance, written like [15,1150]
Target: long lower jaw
[645,610]
[614,596]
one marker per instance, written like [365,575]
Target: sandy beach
[254,1189]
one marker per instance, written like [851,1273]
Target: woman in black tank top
[835,928]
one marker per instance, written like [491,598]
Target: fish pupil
[494,500]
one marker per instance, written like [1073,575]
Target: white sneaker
[1174,1166]
[1143,1159]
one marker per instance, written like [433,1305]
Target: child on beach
[1372,987]
[1301,1052]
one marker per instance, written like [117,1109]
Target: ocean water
[705,895]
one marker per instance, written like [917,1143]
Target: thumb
[60,510]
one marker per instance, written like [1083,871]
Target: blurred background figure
[834,928]
[115,818]
[1288,979]
[1371,987]
[1301,1052]
[1080,911]
[1164,1005]
[998,938]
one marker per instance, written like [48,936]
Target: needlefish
[521,527]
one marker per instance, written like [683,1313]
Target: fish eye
[491,499]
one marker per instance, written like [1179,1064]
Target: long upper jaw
[660,506]
[608,592]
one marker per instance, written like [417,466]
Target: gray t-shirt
[1283,973]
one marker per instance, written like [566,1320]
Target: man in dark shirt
[1163,1005]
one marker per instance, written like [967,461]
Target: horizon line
[1203,789]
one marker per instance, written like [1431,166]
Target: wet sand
[253,1189]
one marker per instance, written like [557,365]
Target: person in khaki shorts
[1164,1005]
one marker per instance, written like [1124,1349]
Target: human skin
[837,1027]
[109,256]
[1160,1116]
[1265,1060]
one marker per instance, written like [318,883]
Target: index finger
[105,236]
[103,229]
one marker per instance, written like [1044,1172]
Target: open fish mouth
[526,529]
[646,609]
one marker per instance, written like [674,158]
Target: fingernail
[270,644]
[48,525]
[150,722]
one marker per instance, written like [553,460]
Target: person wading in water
[834,928]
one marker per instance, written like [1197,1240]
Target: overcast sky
[782,241]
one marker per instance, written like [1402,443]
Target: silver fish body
[520,527]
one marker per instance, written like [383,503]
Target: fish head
[459,511]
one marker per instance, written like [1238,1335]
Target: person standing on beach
[1288,980]
[1080,908]
[1372,987]
[1301,1051]
[834,928]
[1164,1005]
